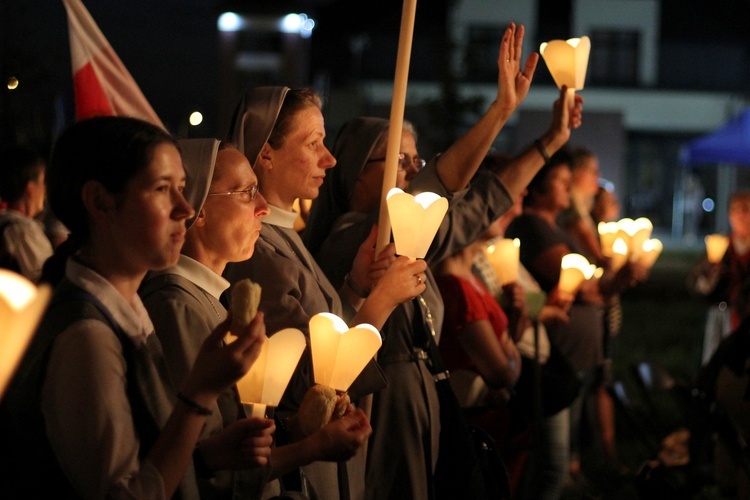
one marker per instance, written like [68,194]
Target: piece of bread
[244,305]
[342,403]
[245,300]
[316,409]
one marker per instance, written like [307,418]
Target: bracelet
[542,150]
[359,292]
[199,409]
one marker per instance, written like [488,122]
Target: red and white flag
[102,84]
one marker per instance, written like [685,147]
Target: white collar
[200,275]
[131,315]
[281,217]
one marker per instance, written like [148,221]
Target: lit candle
[415,220]
[619,254]
[608,232]
[574,270]
[651,250]
[716,247]
[264,384]
[21,307]
[503,255]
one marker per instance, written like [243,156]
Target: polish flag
[102,84]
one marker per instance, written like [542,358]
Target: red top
[465,302]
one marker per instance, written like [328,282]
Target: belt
[415,355]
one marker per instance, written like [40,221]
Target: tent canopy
[730,143]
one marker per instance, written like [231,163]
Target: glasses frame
[417,162]
[252,192]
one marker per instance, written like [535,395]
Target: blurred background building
[661,73]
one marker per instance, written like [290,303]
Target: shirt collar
[281,217]
[131,315]
[197,273]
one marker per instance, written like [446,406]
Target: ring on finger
[419,280]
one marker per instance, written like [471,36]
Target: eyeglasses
[417,162]
[245,195]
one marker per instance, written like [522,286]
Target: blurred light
[708,205]
[297,23]
[229,21]
[196,118]
[12,83]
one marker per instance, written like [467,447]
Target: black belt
[416,355]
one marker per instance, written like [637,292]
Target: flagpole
[397,119]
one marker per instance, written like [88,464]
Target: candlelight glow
[716,247]
[503,255]
[21,307]
[651,250]
[340,353]
[265,382]
[415,220]
[574,270]
[567,61]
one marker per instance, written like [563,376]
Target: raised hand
[513,83]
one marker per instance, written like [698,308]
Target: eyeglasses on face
[245,195]
[417,162]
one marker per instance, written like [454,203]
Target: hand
[566,115]
[560,298]
[363,260]
[244,444]
[515,296]
[340,439]
[404,280]
[513,84]
[380,265]
[219,365]
[553,315]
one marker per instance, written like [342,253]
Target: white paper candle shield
[415,220]
[567,61]
[340,353]
[574,269]
[651,250]
[608,232]
[21,307]
[619,254]
[503,255]
[716,247]
[265,382]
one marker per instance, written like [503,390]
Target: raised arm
[566,115]
[458,164]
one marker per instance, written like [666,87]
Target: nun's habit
[294,286]
[183,303]
[403,447]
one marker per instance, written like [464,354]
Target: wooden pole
[397,119]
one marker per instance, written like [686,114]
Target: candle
[503,256]
[574,270]
[716,247]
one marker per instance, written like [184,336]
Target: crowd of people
[129,386]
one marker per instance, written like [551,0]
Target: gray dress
[405,418]
[183,315]
[295,289]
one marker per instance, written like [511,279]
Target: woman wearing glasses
[183,302]
[406,415]
[281,132]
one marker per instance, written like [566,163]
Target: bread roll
[244,306]
[316,409]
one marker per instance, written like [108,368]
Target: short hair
[538,185]
[295,101]
[18,166]
[578,157]
[107,149]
